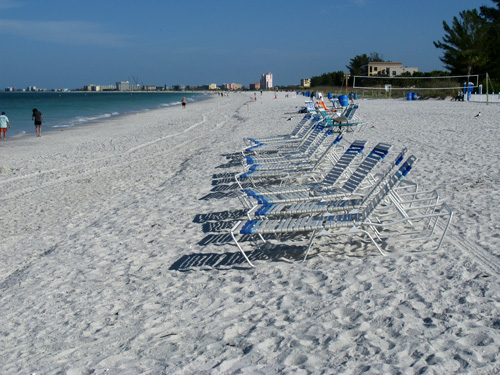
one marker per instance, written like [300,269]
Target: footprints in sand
[83,170]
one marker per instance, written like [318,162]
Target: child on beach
[4,122]
[37,116]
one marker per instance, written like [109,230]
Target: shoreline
[58,124]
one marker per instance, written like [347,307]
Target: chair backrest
[323,113]
[325,118]
[347,115]
[386,174]
[310,106]
[400,157]
[341,165]
[350,111]
[312,135]
[374,157]
[335,142]
[336,103]
[310,147]
[386,188]
[301,126]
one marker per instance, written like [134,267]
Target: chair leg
[445,230]
[313,236]
[237,243]
[371,238]
[353,230]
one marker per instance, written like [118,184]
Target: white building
[123,86]
[387,69]
[91,88]
[266,81]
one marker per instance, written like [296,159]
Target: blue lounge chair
[344,198]
[331,225]
[325,189]
[255,175]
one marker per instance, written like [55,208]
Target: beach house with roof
[387,69]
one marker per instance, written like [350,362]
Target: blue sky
[70,43]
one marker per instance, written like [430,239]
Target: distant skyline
[69,43]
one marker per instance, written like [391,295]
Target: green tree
[491,14]
[357,62]
[492,17]
[328,79]
[464,43]
[472,42]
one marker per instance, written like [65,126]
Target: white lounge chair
[326,188]
[306,153]
[316,153]
[265,175]
[347,120]
[355,222]
[344,198]
[287,145]
[300,129]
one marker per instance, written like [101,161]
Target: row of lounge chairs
[313,182]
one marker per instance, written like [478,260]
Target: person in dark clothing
[37,116]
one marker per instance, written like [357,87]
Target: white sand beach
[116,255]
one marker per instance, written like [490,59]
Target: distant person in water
[4,122]
[183,102]
[37,116]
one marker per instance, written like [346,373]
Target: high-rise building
[266,81]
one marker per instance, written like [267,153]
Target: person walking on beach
[4,122]
[37,116]
[183,102]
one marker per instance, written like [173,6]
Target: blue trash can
[344,101]
[408,96]
[329,95]
[355,96]
[414,96]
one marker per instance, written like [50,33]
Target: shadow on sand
[217,227]
[190,262]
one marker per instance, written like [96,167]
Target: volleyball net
[415,83]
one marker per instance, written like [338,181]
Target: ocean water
[63,110]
